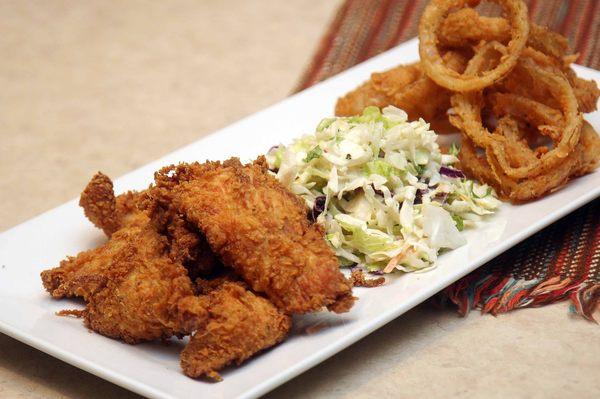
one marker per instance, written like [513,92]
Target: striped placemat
[560,262]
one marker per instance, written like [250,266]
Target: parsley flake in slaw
[379,184]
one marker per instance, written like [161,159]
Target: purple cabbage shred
[318,208]
[450,172]
[378,192]
[419,196]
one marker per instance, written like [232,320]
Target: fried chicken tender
[110,213]
[132,288]
[106,211]
[187,244]
[136,289]
[241,324]
[134,292]
[132,284]
[406,87]
[259,228]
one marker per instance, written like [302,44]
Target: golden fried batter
[106,211]
[137,289]
[259,228]
[241,324]
[406,87]
[110,213]
[186,243]
[131,287]
[359,279]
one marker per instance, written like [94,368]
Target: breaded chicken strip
[136,292]
[241,324]
[259,228]
[132,288]
[187,244]
[106,211]
[110,213]
[406,87]
[132,284]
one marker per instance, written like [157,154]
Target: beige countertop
[108,85]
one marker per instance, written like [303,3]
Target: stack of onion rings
[506,84]
[517,103]
[431,58]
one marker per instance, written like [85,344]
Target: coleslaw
[385,194]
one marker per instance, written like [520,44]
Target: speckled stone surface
[110,85]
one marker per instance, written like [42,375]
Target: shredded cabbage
[386,195]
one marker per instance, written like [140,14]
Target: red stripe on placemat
[532,9]
[593,252]
[324,47]
[584,48]
[583,26]
[354,33]
[594,60]
[566,24]
[575,35]
[404,22]
[550,20]
[560,259]
[375,28]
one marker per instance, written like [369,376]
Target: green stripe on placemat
[561,261]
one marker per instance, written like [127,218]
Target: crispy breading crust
[99,203]
[359,279]
[406,87]
[241,324]
[259,228]
[131,287]
[187,244]
[137,289]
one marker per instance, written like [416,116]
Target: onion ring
[547,119]
[475,165]
[467,26]
[467,109]
[590,143]
[571,127]
[586,91]
[487,170]
[432,61]
[517,149]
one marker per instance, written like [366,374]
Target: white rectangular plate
[27,312]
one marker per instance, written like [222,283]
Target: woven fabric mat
[560,262]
